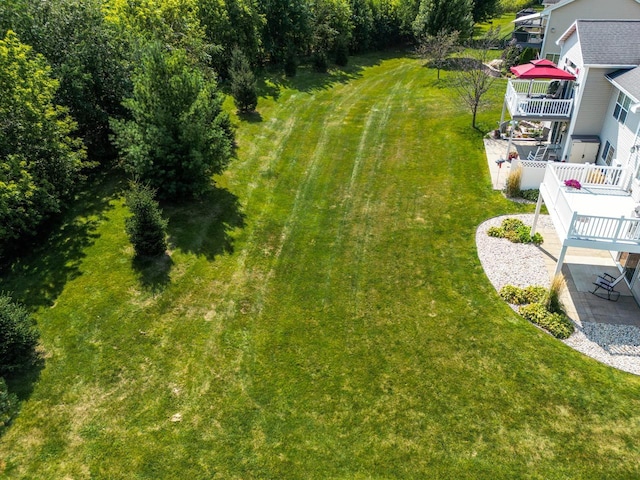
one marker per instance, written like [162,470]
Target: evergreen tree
[179,135]
[484,10]
[146,228]
[18,337]
[243,82]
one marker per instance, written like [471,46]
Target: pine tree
[146,228]
[243,82]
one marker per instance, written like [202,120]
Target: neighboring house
[595,127]
[543,29]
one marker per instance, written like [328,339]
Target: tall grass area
[322,314]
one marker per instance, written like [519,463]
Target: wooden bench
[606,282]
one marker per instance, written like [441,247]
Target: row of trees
[137,81]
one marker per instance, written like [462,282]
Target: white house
[599,144]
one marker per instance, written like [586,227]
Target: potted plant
[513,155]
[572,184]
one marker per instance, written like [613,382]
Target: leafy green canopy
[436,16]
[41,162]
[179,136]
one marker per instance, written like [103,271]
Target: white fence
[532,173]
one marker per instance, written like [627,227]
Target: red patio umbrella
[541,69]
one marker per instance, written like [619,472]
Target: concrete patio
[496,149]
[580,270]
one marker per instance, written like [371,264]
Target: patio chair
[607,283]
[539,155]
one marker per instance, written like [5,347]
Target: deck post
[504,108]
[560,260]
[535,218]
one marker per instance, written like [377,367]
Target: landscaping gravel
[507,263]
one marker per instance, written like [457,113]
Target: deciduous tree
[41,162]
[437,48]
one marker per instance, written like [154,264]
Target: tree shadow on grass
[37,272]
[308,80]
[250,117]
[21,384]
[204,225]
[153,272]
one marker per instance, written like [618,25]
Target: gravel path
[507,263]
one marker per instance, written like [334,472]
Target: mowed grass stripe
[378,349]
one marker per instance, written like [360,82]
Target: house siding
[561,18]
[596,95]
[620,136]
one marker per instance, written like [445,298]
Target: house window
[607,153]
[554,57]
[622,107]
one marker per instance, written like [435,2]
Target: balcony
[528,99]
[528,39]
[601,215]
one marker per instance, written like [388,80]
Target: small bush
[8,405]
[146,228]
[512,185]
[243,82]
[18,337]
[531,195]
[515,231]
[557,324]
[523,296]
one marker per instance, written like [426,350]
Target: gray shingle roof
[609,42]
[627,81]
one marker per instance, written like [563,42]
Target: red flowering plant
[572,183]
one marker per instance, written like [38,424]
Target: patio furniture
[607,283]
[540,153]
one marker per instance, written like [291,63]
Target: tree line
[135,83]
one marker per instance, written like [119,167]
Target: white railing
[526,98]
[527,87]
[591,227]
[590,175]
[588,227]
[558,201]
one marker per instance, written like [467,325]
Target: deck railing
[591,227]
[590,175]
[580,226]
[526,98]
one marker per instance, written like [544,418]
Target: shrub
[243,82]
[523,296]
[531,195]
[146,228]
[515,231]
[8,405]
[557,324]
[512,185]
[18,337]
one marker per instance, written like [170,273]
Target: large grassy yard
[323,314]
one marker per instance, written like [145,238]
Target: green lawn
[322,315]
